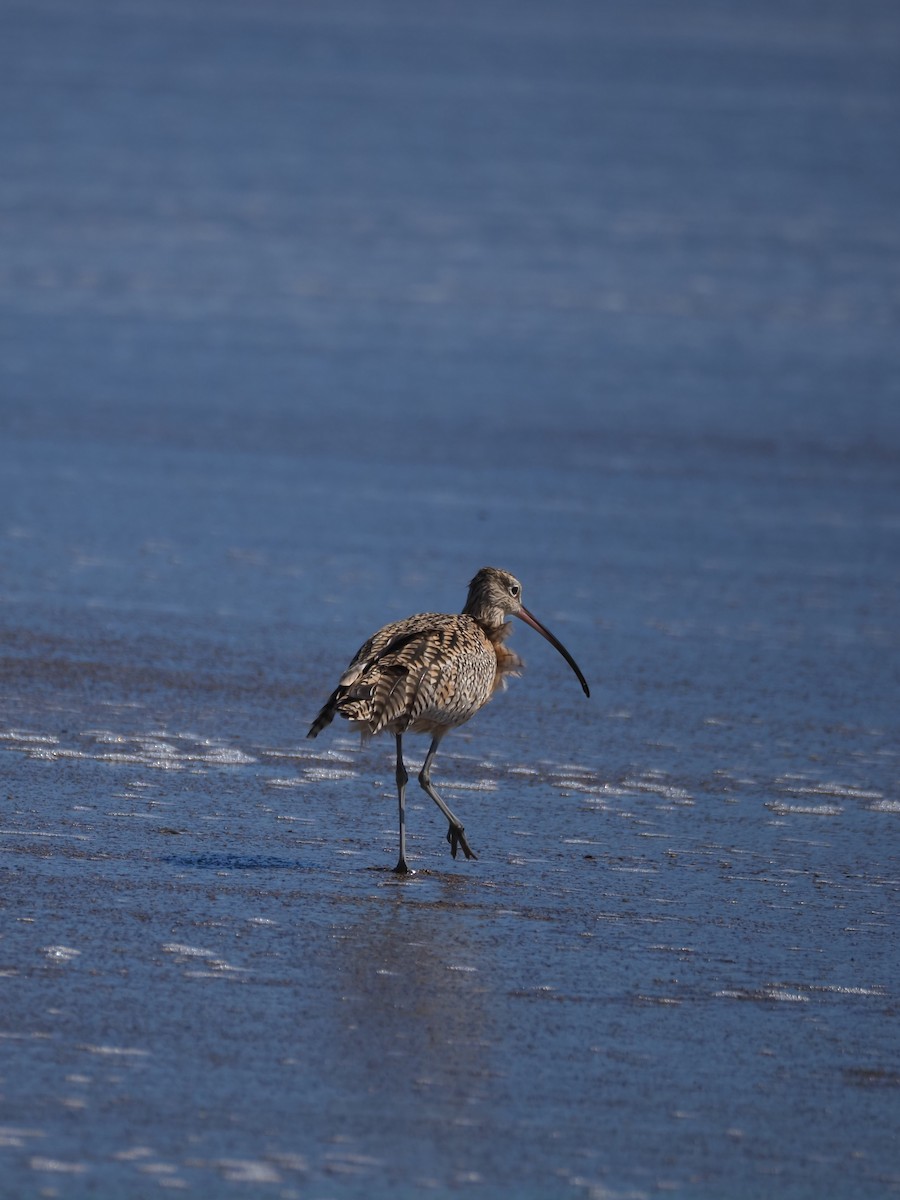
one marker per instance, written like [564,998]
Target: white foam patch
[115,1051]
[187,951]
[28,739]
[578,785]
[885,806]
[135,1153]
[57,1165]
[243,1170]
[657,787]
[841,791]
[60,953]
[208,958]
[304,755]
[156,762]
[77,837]
[157,749]
[764,994]
[486,785]
[839,990]
[351,1164]
[807,810]
[16,1136]
[318,774]
[225,756]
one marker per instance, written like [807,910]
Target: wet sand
[308,314]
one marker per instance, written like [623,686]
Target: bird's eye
[514,589]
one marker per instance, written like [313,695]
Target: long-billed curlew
[432,672]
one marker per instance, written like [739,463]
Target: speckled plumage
[432,672]
[429,672]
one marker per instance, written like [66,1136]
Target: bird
[429,674]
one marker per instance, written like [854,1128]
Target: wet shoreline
[306,316]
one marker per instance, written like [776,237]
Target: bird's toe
[456,836]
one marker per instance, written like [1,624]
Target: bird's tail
[326,716]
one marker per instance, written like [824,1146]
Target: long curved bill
[526,616]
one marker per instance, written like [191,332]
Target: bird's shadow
[236,862]
[448,878]
[274,862]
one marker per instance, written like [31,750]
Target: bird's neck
[494,632]
[489,616]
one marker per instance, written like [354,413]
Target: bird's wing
[418,669]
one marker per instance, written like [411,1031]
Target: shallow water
[306,315]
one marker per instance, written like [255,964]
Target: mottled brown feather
[433,671]
[428,672]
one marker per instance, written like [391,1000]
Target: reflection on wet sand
[412,1032]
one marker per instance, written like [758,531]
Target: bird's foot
[401,868]
[456,837]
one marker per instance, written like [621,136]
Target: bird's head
[495,595]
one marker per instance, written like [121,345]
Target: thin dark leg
[455,834]
[402,777]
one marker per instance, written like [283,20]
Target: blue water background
[306,313]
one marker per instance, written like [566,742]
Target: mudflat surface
[306,313]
